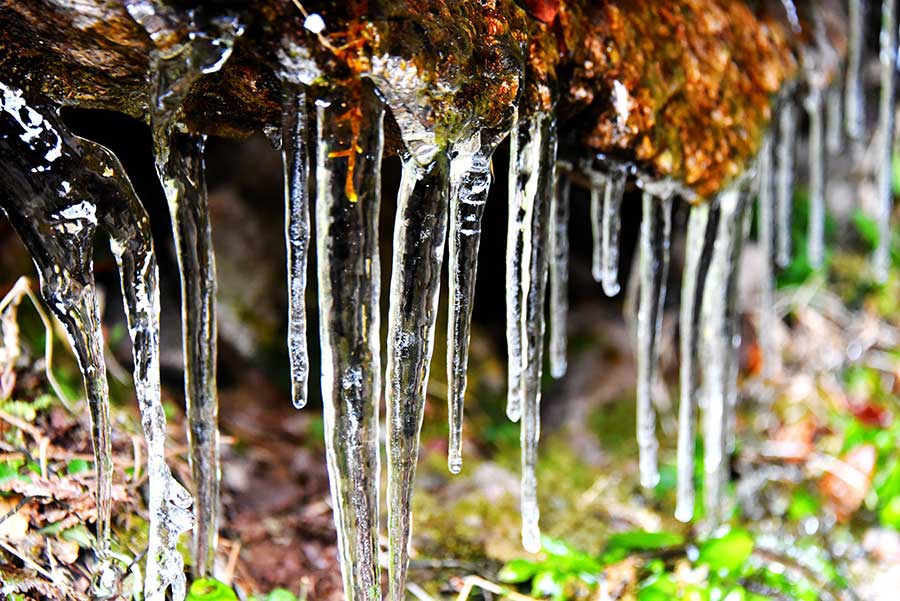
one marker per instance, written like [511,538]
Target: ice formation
[62,190]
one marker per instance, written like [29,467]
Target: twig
[22,503]
[418,592]
[470,582]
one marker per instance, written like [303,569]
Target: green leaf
[78,534]
[727,553]
[866,227]
[518,570]
[659,588]
[890,513]
[76,466]
[546,584]
[9,470]
[281,594]
[803,505]
[641,540]
[210,589]
[554,546]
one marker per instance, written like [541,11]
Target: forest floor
[814,500]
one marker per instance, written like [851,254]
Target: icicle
[854,100]
[766,234]
[169,503]
[599,184]
[559,272]
[656,227]
[470,182]
[835,120]
[419,233]
[701,234]
[186,50]
[612,224]
[816,240]
[717,346]
[296,203]
[534,284]
[60,190]
[349,280]
[888,57]
[525,147]
[184,183]
[732,320]
[784,181]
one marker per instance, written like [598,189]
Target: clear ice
[656,228]
[854,101]
[535,268]
[599,185]
[881,261]
[348,198]
[524,170]
[784,180]
[295,159]
[612,224]
[717,346]
[419,233]
[766,235]
[834,126]
[559,271]
[176,63]
[701,236]
[816,238]
[60,192]
[470,183]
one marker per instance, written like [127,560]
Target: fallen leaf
[543,10]
[847,481]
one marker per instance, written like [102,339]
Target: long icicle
[881,260]
[716,346]
[612,224]
[470,183]
[295,158]
[169,503]
[766,235]
[816,153]
[732,320]
[784,181]
[185,51]
[184,182]
[419,233]
[559,272]
[854,99]
[348,198]
[599,186]
[524,157]
[656,226]
[534,284]
[72,188]
[834,136]
[701,234]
